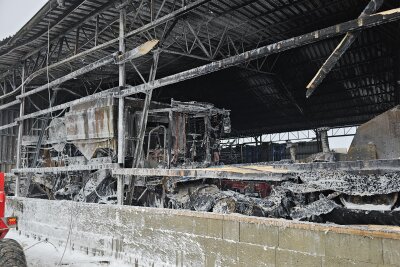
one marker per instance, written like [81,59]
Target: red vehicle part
[5,223]
[263,189]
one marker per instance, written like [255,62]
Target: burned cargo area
[181,167]
[207,105]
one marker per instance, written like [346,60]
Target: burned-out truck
[361,186]
[179,134]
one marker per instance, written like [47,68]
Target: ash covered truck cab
[11,252]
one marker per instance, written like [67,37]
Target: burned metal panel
[92,125]
[379,136]
[7,141]
[88,121]
[196,130]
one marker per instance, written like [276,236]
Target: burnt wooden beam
[342,47]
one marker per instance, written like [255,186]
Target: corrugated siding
[8,141]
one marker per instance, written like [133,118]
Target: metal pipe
[7,126]
[10,104]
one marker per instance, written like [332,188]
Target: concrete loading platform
[159,237]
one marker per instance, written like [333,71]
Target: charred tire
[11,254]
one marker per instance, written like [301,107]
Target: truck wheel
[11,254]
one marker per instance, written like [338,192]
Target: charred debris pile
[360,187]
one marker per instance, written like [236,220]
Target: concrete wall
[147,236]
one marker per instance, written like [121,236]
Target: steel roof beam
[329,32]
[346,42]
[175,14]
[312,37]
[113,58]
[70,11]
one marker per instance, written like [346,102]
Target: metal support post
[145,113]
[170,141]
[19,136]
[397,71]
[293,150]
[120,189]
[324,139]
[122,83]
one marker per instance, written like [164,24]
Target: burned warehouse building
[225,107]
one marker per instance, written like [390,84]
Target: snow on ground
[45,254]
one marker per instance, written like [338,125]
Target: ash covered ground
[41,253]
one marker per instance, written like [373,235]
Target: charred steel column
[293,150]
[20,132]
[121,123]
[122,82]
[120,189]
[324,139]
[397,71]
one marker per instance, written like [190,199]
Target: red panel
[3,226]
[262,188]
[2,196]
[3,229]
[1,181]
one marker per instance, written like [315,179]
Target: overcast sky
[15,13]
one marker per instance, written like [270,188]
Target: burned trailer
[177,134]
[186,136]
[341,190]
[180,167]
[195,131]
